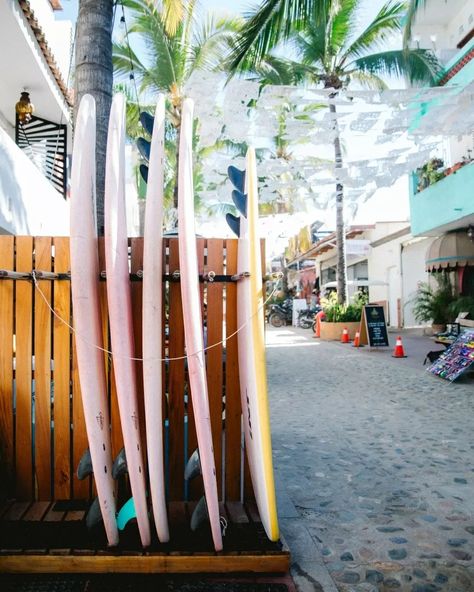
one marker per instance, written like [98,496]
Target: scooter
[281,314]
[306,317]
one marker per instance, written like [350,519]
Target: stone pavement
[374,462]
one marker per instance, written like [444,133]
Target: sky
[391,203]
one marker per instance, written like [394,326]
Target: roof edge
[45,49]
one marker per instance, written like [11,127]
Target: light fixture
[470,232]
[24,108]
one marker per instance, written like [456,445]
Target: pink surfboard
[120,311]
[152,320]
[193,328]
[87,317]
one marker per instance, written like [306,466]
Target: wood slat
[146,563]
[62,373]
[233,412]
[214,361]
[175,382]
[24,336]
[236,513]
[136,289]
[6,364]
[36,512]
[16,511]
[42,372]
[53,515]
[79,436]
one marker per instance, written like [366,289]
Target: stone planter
[333,331]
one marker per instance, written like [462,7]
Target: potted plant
[341,316]
[432,303]
[430,173]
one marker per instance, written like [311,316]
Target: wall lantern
[24,108]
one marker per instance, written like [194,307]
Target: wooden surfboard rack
[42,430]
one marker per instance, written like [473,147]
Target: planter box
[333,331]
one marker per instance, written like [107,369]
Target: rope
[110,353]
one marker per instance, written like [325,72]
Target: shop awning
[450,251]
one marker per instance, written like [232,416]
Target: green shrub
[342,313]
[434,303]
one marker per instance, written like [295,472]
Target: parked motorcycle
[306,317]
[281,314]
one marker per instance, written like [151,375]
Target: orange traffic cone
[356,340]
[398,352]
[345,336]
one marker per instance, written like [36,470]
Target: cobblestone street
[375,469]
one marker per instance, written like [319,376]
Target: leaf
[275,21]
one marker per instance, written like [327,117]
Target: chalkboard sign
[373,328]
[457,359]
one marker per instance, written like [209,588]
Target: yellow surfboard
[251,342]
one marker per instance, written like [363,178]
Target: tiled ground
[375,465]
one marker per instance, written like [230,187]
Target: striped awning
[450,251]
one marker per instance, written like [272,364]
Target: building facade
[442,191]
[35,136]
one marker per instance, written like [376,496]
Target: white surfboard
[193,328]
[120,311]
[86,308]
[251,341]
[152,320]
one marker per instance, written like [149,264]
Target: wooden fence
[42,430]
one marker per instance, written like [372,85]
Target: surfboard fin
[193,466]
[240,201]
[200,514]
[147,120]
[84,468]
[119,467]
[237,178]
[234,223]
[94,515]
[127,512]
[144,147]
[144,172]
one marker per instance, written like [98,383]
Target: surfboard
[251,345]
[152,320]
[193,328]
[87,317]
[120,311]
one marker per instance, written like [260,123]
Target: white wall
[413,258]
[28,202]
[448,25]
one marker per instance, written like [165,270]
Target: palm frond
[388,21]
[274,21]
[413,8]
[124,59]
[173,15]
[312,44]
[368,80]
[211,43]
[342,24]
[418,66]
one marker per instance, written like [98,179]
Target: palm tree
[94,71]
[94,75]
[333,56]
[172,55]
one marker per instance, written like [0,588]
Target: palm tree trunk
[341,276]
[94,75]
